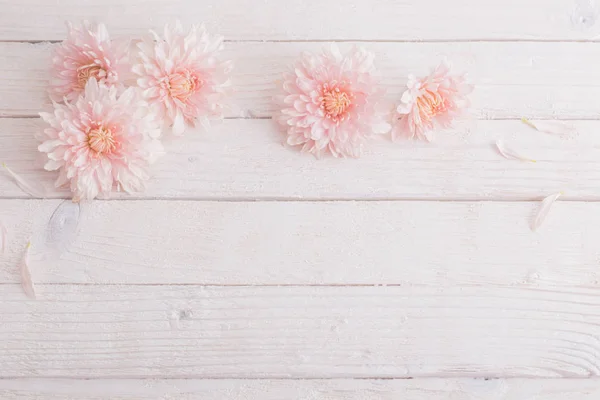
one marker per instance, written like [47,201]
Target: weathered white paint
[473,292]
[512,79]
[314,19]
[437,244]
[245,159]
[330,389]
[299,331]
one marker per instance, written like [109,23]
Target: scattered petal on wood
[511,154]
[26,281]
[544,209]
[24,185]
[560,128]
[3,238]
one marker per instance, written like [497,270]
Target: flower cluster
[332,103]
[112,100]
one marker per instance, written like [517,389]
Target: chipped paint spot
[62,227]
[585,14]
[186,314]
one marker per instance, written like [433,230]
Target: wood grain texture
[301,20]
[300,332]
[322,243]
[330,389]
[537,80]
[245,160]
[391,266]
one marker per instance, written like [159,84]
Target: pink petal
[178,124]
[544,209]
[24,185]
[26,281]
[511,154]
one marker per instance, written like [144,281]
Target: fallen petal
[24,185]
[26,281]
[544,209]
[552,127]
[511,154]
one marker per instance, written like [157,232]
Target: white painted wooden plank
[543,80]
[403,243]
[314,389]
[244,159]
[300,332]
[297,19]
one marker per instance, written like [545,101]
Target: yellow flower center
[85,72]
[182,85]
[101,140]
[335,101]
[430,104]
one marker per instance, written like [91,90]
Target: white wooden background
[249,271]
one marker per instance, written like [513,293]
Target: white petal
[138,69]
[316,132]
[61,180]
[407,98]
[404,109]
[53,165]
[544,209]
[335,52]
[49,145]
[128,97]
[91,89]
[102,33]
[382,127]
[511,154]
[26,281]
[178,124]
[560,128]
[204,123]
[24,185]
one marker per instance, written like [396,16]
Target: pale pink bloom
[182,76]
[431,103]
[101,141]
[332,103]
[86,53]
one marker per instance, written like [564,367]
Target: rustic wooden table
[251,271]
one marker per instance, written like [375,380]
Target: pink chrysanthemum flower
[431,102]
[332,103]
[87,53]
[101,141]
[182,77]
